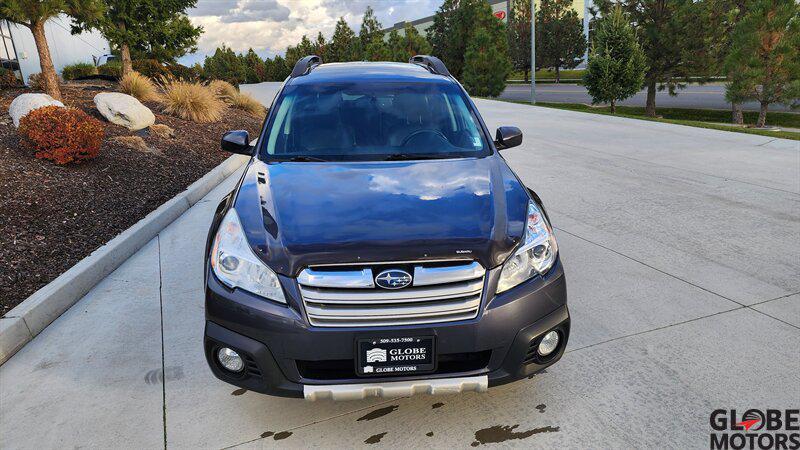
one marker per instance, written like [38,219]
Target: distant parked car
[104,59]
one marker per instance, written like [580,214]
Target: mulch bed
[53,216]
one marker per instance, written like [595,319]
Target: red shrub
[62,135]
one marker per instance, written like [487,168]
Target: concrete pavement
[682,252]
[708,96]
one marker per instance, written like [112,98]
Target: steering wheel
[436,133]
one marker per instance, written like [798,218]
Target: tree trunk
[613,106]
[558,74]
[527,73]
[125,53]
[49,75]
[762,115]
[650,106]
[736,114]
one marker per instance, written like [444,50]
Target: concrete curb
[20,325]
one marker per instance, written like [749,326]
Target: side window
[281,124]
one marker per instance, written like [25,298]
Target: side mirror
[237,142]
[507,137]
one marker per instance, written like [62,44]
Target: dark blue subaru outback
[378,245]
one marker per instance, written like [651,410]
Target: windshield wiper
[301,158]
[413,156]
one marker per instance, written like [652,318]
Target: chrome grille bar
[443,292]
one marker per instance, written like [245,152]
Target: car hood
[298,214]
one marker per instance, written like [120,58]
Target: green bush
[78,70]
[184,73]
[150,68]
[111,69]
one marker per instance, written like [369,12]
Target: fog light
[549,343]
[230,359]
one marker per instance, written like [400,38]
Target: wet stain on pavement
[502,433]
[429,434]
[375,438]
[239,391]
[437,405]
[380,412]
[156,376]
[282,435]
[267,434]
[541,407]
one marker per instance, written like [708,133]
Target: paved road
[710,96]
[681,247]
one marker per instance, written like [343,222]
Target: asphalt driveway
[682,252]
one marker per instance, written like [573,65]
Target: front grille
[348,297]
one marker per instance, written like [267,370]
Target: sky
[269,26]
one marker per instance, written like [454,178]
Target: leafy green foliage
[764,60]
[150,68]
[344,44]
[559,36]
[487,62]
[617,64]
[111,69]
[224,64]
[78,70]
[370,37]
[454,25]
[519,36]
[402,48]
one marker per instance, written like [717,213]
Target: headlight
[536,254]
[235,264]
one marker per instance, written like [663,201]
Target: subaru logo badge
[393,279]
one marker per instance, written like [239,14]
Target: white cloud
[269,26]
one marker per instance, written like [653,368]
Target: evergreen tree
[370,34]
[519,36]
[33,14]
[765,55]
[276,69]
[224,64]
[321,47]
[255,69]
[617,64]
[156,27]
[298,52]
[344,43]
[486,63]
[411,43]
[660,27]
[559,36]
[454,24]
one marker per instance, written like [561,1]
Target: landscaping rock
[26,103]
[124,110]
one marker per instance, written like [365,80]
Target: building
[502,10]
[18,49]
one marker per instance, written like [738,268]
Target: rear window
[373,121]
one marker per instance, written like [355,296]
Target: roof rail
[431,63]
[304,65]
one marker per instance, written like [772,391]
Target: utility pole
[533,52]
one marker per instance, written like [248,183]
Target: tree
[617,64]
[254,67]
[33,14]
[298,52]
[151,27]
[370,32]
[224,64]
[765,55]
[402,48]
[167,41]
[454,24]
[519,36]
[321,47]
[344,43]
[486,63]
[660,27]
[276,69]
[559,36]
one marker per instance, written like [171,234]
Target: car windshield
[373,121]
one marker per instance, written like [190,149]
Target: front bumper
[286,356]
